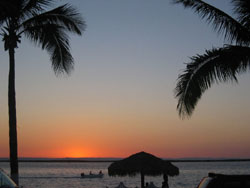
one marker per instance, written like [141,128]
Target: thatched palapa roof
[142,163]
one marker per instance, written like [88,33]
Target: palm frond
[31,7]
[216,65]
[8,8]
[49,29]
[221,21]
[4,9]
[242,9]
[53,38]
[65,16]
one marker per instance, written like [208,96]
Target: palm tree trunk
[12,118]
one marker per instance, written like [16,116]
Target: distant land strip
[96,160]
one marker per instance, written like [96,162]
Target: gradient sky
[119,99]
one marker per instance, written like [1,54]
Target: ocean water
[67,175]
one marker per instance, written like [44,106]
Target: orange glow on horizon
[77,153]
[65,153]
[100,137]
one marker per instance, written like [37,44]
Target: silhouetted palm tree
[218,64]
[46,29]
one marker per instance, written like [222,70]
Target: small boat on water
[90,175]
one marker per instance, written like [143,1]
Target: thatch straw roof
[143,163]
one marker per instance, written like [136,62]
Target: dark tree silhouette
[218,64]
[46,29]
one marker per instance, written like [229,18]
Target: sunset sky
[119,99]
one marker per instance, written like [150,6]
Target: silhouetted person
[165,182]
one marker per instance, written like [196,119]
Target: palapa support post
[142,180]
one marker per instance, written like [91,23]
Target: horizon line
[113,159]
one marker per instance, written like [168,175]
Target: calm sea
[65,175]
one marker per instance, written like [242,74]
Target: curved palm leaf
[49,30]
[242,9]
[7,8]
[217,65]
[53,38]
[222,22]
[31,7]
[65,16]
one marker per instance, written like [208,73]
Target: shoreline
[63,160]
